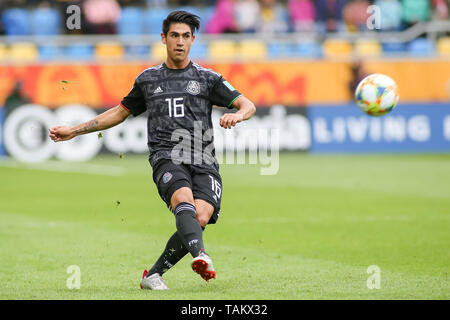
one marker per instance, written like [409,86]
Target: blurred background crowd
[20,17]
[281,28]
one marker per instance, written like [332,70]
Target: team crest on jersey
[193,87]
[166,177]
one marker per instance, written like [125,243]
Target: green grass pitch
[309,232]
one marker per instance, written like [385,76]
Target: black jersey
[179,104]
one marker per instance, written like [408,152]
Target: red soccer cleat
[204,267]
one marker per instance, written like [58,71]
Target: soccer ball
[377,94]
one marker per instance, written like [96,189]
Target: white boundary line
[68,167]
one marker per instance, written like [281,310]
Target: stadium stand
[277,30]
[16,22]
[154,18]
[50,52]
[199,50]
[393,47]
[252,49]
[45,21]
[367,48]
[109,50]
[222,49]
[443,46]
[337,48]
[158,51]
[307,49]
[23,51]
[421,47]
[79,51]
[137,51]
[3,51]
[277,50]
[131,21]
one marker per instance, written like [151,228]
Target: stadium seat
[279,50]
[367,48]
[199,50]
[16,22]
[252,49]
[307,49]
[45,21]
[222,50]
[303,49]
[79,51]
[109,50]
[394,47]
[337,48]
[23,51]
[50,52]
[3,51]
[154,19]
[443,46]
[421,47]
[137,51]
[132,21]
[158,51]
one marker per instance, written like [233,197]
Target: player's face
[178,42]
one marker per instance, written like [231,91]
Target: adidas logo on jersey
[158,90]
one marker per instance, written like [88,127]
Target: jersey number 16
[177,105]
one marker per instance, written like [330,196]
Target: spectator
[223,20]
[16,98]
[391,14]
[441,12]
[274,17]
[355,15]
[329,14]
[358,72]
[246,14]
[101,16]
[415,11]
[302,14]
[441,9]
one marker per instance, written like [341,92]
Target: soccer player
[178,95]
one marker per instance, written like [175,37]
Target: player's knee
[202,220]
[183,194]
[203,216]
[204,211]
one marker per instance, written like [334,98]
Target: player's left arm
[246,109]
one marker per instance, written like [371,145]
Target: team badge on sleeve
[166,177]
[193,87]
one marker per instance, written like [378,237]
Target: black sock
[174,252]
[189,228]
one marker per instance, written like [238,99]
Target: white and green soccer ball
[377,94]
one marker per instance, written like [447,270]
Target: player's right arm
[105,120]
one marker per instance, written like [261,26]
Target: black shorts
[205,184]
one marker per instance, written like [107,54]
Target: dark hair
[180,16]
